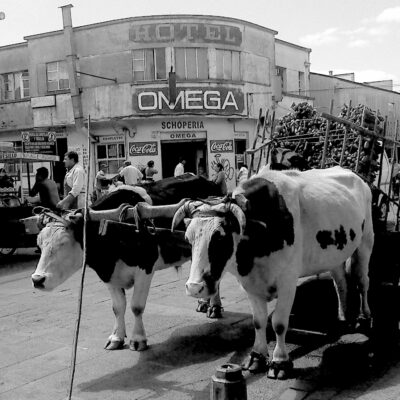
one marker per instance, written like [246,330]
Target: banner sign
[111,139]
[41,142]
[186,32]
[209,100]
[143,149]
[221,146]
[177,136]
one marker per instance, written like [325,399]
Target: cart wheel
[5,251]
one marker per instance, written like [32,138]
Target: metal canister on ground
[228,383]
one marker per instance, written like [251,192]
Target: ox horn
[147,211]
[187,210]
[112,215]
[239,215]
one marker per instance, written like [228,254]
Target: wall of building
[342,91]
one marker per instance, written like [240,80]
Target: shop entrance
[194,152]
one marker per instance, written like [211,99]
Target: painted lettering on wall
[219,100]
[143,148]
[182,125]
[221,146]
[186,32]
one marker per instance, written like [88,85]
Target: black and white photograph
[199,200]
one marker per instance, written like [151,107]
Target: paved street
[185,347]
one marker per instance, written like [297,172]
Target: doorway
[194,152]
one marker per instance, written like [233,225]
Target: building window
[228,65]
[112,154]
[15,85]
[282,73]
[191,63]
[301,83]
[57,76]
[149,65]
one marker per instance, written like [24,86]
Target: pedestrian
[46,188]
[74,183]
[102,183]
[132,176]
[5,180]
[150,171]
[242,174]
[180,167]
[219,178]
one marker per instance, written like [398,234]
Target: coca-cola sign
[221,146]
[143,149]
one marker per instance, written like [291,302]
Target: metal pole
[79,312]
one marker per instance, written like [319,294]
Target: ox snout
[196,289]
[38,281]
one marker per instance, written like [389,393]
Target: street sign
[41,142]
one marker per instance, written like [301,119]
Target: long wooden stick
[80,298]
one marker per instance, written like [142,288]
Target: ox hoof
[214,312]
[202,306]
[255,363]
[280,369]
[114,344]
[138,345]
[364,326]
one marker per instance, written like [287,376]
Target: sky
[360,36]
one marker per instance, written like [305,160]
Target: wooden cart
[14,207]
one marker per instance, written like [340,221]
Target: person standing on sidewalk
[132,176]
[74,183]
[180,167]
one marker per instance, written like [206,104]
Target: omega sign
[143,149]
[221,146]
[216,100]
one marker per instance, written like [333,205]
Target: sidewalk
[185,347]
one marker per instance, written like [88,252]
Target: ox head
[61,240]
[61,252]
[211,231]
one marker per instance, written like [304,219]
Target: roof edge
[150,17]
[354,82]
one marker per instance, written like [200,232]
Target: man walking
[180,167]
[131,174]
[74,183]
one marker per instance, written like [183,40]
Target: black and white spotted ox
[123,257]
[281,225]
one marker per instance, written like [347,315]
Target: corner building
[119,73]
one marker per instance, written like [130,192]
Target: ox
[281,225]
[124,256]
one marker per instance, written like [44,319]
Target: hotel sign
[143,148]
[42,142]
[215,100]
[186,33]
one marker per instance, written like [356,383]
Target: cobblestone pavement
[185,347]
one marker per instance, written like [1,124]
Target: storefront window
[112,154]
[149,64]
[57,76]
[15,85]
[191,63]
[228,65]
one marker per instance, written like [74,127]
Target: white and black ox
[281,225]
[123,257]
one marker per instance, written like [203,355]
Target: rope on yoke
[84,248]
